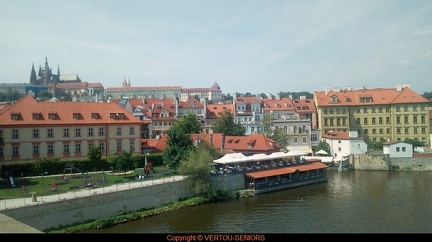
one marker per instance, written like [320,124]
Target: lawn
[41,185]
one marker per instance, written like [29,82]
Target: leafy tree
[323,146]
[267,125]
[45,95]
[281,137]
[415,142]
[94,155]
[197,168]
[225,124]
[179,141]
[274,133]
[125,162]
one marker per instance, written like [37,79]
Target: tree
[225,124]
[179,141]
[125,162]
[197,168]
[274,133]
[94,155]
[323,146]
[281,137]
[45,95]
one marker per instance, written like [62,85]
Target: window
[415,119]
[77,147]
[35,149]
[373,120]
[366,131]
[102,146]
[397,149]
[304,139]
[131,130]
[35,133]
[365,110]
[66,132]
[388,131]
[406,119]
[101,131]
[15,116]
[381,131]
[132,146]
[398,131]
[380,120]
[15,134]
[66,148]
[36,116]
[50,133]
[373,131]
[387,120]
[406,130]
[365,120]
[398,121]
[119,131]
[119,146]
[52,116]
[50,149]
[15,151]
[77,132]
[76,116]
[94,115]
[90,131]
[314,137]
[358,120]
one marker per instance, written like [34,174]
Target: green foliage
[45,95]
[415,142]
[179,142]
[323,146]
[94,155]
[281,137]
[197,168]
[122,162]
[225,124]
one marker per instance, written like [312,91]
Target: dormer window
[120,115]
[36,116]
[76,116]
[95,115]
[15,116]
[112,115]
[333,99]
[52,116]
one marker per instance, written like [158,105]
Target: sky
[244,46]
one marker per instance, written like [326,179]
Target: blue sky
[244,46]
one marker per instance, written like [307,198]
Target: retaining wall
[71,211]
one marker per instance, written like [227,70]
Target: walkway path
[10,225]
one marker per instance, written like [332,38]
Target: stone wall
[230,182]
[71,211]
[385,163]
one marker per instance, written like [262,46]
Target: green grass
[41,185]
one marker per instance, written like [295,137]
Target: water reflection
[350,202]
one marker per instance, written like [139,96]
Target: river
[350,202]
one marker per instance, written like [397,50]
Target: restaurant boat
[267,173]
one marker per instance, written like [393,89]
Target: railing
[79,192]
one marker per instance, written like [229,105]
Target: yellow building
[379,114]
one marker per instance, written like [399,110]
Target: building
[33,130]
[213,94]
[398,149]
[378,114]
[342,144]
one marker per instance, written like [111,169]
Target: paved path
[10,225]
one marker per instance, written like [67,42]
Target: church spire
[58,70]
[33,78]
[46,64]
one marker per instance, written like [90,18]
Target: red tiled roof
[64,112]
[214,110]
[286,170]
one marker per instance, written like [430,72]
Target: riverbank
[411,165]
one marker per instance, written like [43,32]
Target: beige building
[379,114]
[33,130]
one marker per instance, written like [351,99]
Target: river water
[350,202]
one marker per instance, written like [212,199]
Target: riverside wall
[79,210]
[384,162]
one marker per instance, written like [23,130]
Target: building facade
[378,114]
[33,130]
